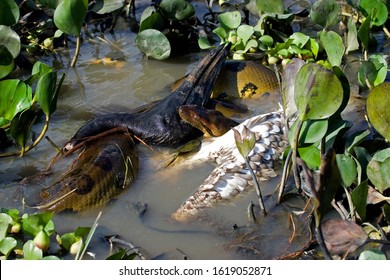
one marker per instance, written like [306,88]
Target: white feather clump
[232,176]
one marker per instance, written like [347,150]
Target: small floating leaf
[333,45]
[107,6]
[372,255]
[359,199]
[270,6]
[347,168]
[378,104]
[69,16]
[376,8]
[10,39]
[230,20]
[9,12]
[153,44]
[31,252]
[176,9]
[378,170]
[15,97]
[352,38]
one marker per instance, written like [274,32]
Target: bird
[231,175]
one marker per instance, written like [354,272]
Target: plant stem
[258,190]
[77,52]
[285,174]
[294,147]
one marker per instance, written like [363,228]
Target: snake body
[101,172]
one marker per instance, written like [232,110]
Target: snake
[107,166]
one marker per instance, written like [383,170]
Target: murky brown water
[91,89]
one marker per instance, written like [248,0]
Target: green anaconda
[100,172]
[168,122]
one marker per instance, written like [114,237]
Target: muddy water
[94,88]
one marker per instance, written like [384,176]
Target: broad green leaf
[5,222]
[9,12]
[313,46]
[10,39]
[230,20]
[377,9]
[49,3]
[267,40]
[151,19]
[346,88]
[6,57]
[373,71]
[326,13]
[270,6]
[153,44]
[107,6]
[318,92]
[378,170]
[40,69]
[245,32]
[299,39]
[347,169]
[33,223]
[15,96]
[333,45]
[221,33]
[359,199]
[378,103]
[45,92]
[352,37]
[31,252]
[21,126]
[176,9]
[204,43]
[365,31]
[372,255]
[69,16]
[7,245]
[5,70]
[311,156]
[312,131]
[252,44]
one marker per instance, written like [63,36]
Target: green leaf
[245,32]
[221,33]
[378,170]
[299,39]
[5,70]
[333,45]
[230,20]
[373,254]
[31,252]
[364,32]
[5,222]
[326,13]
[352,37]
[359,199]
[270,6]
[7,245]
[9,12]
[347,169]
[33,223]
[6,57]
[69,16]
[311,131]
[245,141]
[318,92]
[10,39]
[378,103]
[204,43]
[267,40]
[373,71]
[15,97]
[150,19]
[377,9]
[176,9]
[153,44]
[21,126]
[311,156]
[46,92]
[52,4]
[107,6]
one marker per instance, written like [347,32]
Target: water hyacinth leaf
[9,12]
[267,40]
[352,37]
[333,45]
[252,44]
[299,39]
[5,222]
[6,57]
[326,13]
[372,255]
[318,92]
[204,43]
[69,16]
[107,6]
[33,223]
[359,199]
[176,9]
[378,170]
[245,141]
[221,33]
[364,32]
[49,3]
[378,103]
[15,97]
[270,6]
[311,131]
[313,46]
[311,156]
[347,169]
[21,126]
[150,19]
[346,87]
[245,32]
[40,69]
[373,71]
[335,128]
[153,43]
[7,245]
[342,237]
[10,39]
[46,92]
[376,8]
[5,70]
[31,252]
[230,20]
